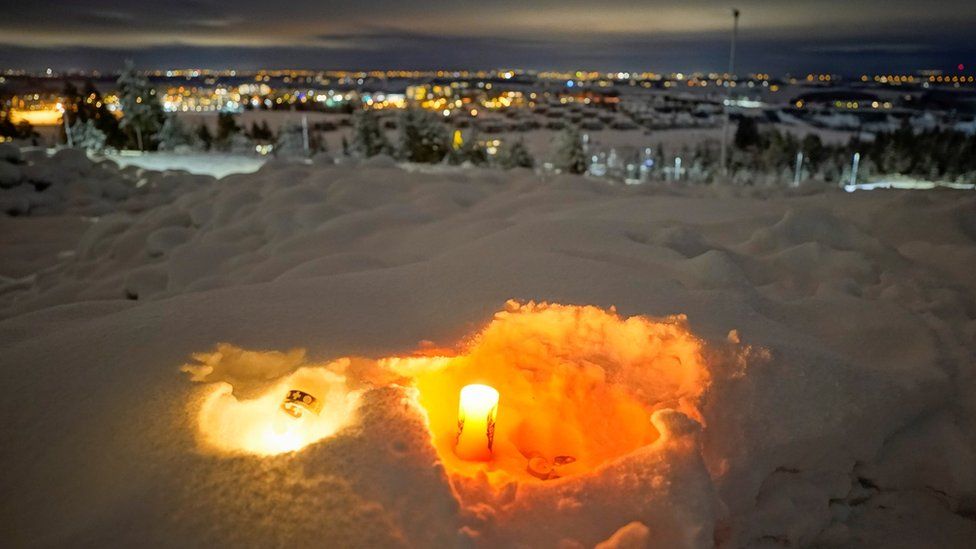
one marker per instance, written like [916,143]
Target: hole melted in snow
[243,412]
[576,381]
[577,386]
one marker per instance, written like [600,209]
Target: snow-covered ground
[908,183]
[817,391]
[215,164]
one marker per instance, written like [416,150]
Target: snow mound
[837,333]
[627,373]
[68,182]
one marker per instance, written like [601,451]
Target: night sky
[778,36]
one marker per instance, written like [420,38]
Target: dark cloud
[788,35]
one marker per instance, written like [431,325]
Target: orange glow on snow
[564,389]
[577,386]
[260,423]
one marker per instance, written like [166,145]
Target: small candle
[476,422]
[296,402]
[294,410]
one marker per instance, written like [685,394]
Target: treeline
[423,137]
[934,154]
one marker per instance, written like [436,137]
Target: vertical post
[67,131]
[735,33]
[305,133]
[646,163]
[728,94]
[854,163]
[798,170]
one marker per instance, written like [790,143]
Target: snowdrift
[728,368]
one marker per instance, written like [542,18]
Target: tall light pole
[728,94]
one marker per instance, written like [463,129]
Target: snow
[218,165]
[144,312]
[908,183]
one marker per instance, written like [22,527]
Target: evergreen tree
[569,151]
[290,141]
[778,150]
[86,135]
[261,132]
[174,135]
[813,150]
[747,133]
[7,128]
[227,128]
[71,101]
[205,137]
[516,155]
[472,150]
[96,110]
[422,137]
[475,153]
[239,143]
[25,130]
[141,112]
[367,137]
[88,106]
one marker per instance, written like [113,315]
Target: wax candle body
[476,422]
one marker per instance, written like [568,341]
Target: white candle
[476,422]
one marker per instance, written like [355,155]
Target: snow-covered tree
[290,141]
[86,135]
[367,137]
[239,143]
[141,112]
[471,150]
[204,137]
[89,105]
[516,155]
[569,151]
[423,137]
[226,127]
[174,135]
[475,152]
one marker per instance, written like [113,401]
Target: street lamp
[728,93]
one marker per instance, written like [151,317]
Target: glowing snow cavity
[577,386]
[243,412]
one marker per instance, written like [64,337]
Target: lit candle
[476,422]
[297,402]
[294,410]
